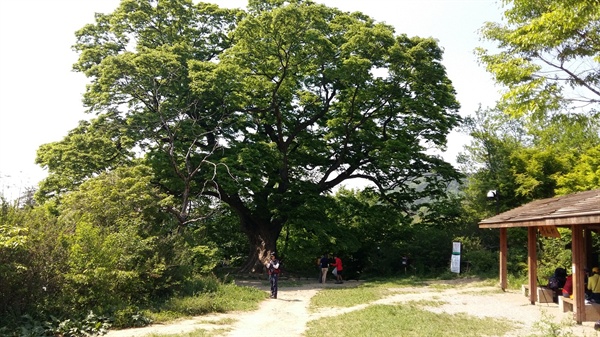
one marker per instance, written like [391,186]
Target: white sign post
[455,260]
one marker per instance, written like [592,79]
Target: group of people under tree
[562,284]
[325,262]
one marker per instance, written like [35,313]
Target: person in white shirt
[273,269]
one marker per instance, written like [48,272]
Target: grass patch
[425,303]
[411,281]
[489,282]
[515,282]
[364,293]
[441,286]
[195,333]
[224,321]
[406,320]
[458,283]
[162,316]
[228,297]
[548,328]
[346,297]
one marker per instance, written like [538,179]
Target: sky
[40,96]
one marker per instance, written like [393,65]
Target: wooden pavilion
[580,212]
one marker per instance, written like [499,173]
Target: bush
[482,261]
[199,284]
[91,325]
[130,316]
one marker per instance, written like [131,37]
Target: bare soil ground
[288,314]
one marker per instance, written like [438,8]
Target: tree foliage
[525,161]
[488,162]
[548,56]
[548,59]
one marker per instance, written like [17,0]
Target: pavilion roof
[581,208]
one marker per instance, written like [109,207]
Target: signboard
[549,231]
[455,260]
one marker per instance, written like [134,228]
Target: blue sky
[40,97]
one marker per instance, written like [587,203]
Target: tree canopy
[548,55]
[548,59]
[541,137]
[263,110]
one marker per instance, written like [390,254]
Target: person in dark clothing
[273,269]
[319,273]
[556,282]
[324,267]
[586,276]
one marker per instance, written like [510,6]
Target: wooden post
[588,248]
[532,262]
[503,258]
[577,252]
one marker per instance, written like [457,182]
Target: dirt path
[289,314]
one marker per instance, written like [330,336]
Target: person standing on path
[273,268]
[320,273]
[324,267]
[338,269]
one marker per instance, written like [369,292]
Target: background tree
[328,96]
[525,161]
[91,148]
[584,175]
[373,236]
[549,56]
[487,161]
[266,110]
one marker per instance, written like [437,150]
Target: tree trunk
[263,240]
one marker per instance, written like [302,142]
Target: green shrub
[90,325]
[200,284]
[482,261]
[130,316]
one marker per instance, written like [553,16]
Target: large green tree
[264,110]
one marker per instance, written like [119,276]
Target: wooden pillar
[589,260]
[532,262]
[577,252]
[503,258]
